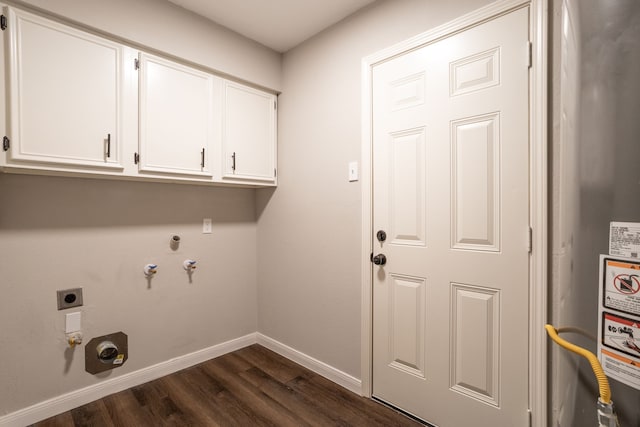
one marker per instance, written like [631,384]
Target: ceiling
[278,24]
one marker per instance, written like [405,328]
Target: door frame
[538,190]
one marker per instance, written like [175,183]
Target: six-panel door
[451,191]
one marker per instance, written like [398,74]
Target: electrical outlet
[206,226]
[69,298]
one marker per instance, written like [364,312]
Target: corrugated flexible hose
[603,382]
[606,414]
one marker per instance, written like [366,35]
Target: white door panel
[450,179]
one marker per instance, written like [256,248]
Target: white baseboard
[68,401]
[74,399]
[347,381]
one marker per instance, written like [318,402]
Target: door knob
[379,259]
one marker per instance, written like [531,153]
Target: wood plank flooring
[249,387]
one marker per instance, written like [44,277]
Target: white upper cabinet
[65,91]
[176,117]
[248,134]
[79,104]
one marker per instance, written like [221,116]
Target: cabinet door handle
[108,145]
[233,161]
[202,158]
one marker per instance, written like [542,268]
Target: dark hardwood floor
[250,387]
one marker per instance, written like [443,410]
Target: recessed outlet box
[106,352]
[69,298]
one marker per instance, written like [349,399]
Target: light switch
[73,322]
[206,226]
[353,171]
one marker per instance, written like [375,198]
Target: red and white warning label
[619,333]
[619,319]
[621,286]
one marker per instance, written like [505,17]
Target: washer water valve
[150,270]
[189,265]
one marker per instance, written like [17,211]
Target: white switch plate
[73,322]
[353,171]
[206,226]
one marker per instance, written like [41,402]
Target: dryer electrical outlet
[69,298]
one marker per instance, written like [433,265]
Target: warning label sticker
[619,319]
[621,286]
[619,333]
[622,368]
[624,239]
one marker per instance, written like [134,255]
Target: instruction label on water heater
[624,239]
[619,319]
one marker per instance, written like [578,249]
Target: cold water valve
[150,270]
[189,265]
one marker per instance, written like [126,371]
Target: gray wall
[161,25]
[61,232]
[595,180]
[57,233]
[309,229]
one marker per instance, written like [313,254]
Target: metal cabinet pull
[108,145]
[202,159]
[233,158]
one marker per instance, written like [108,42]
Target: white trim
[538,190]
[462,23]
[366,310]
[538,215]
[337,376]
[68,401]
[76,398]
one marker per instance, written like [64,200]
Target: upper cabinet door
[65,95]
[176,118]
[249,134]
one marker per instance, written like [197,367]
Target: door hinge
[275,105]
[136,158]
[530,240]
[6,143]
[136,64]
[275,173]
[529,54]
[3,22]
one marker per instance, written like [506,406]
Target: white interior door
[451,191]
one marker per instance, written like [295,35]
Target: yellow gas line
[603,382]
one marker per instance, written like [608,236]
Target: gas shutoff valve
[189,265]
[150,270]
[74,339]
